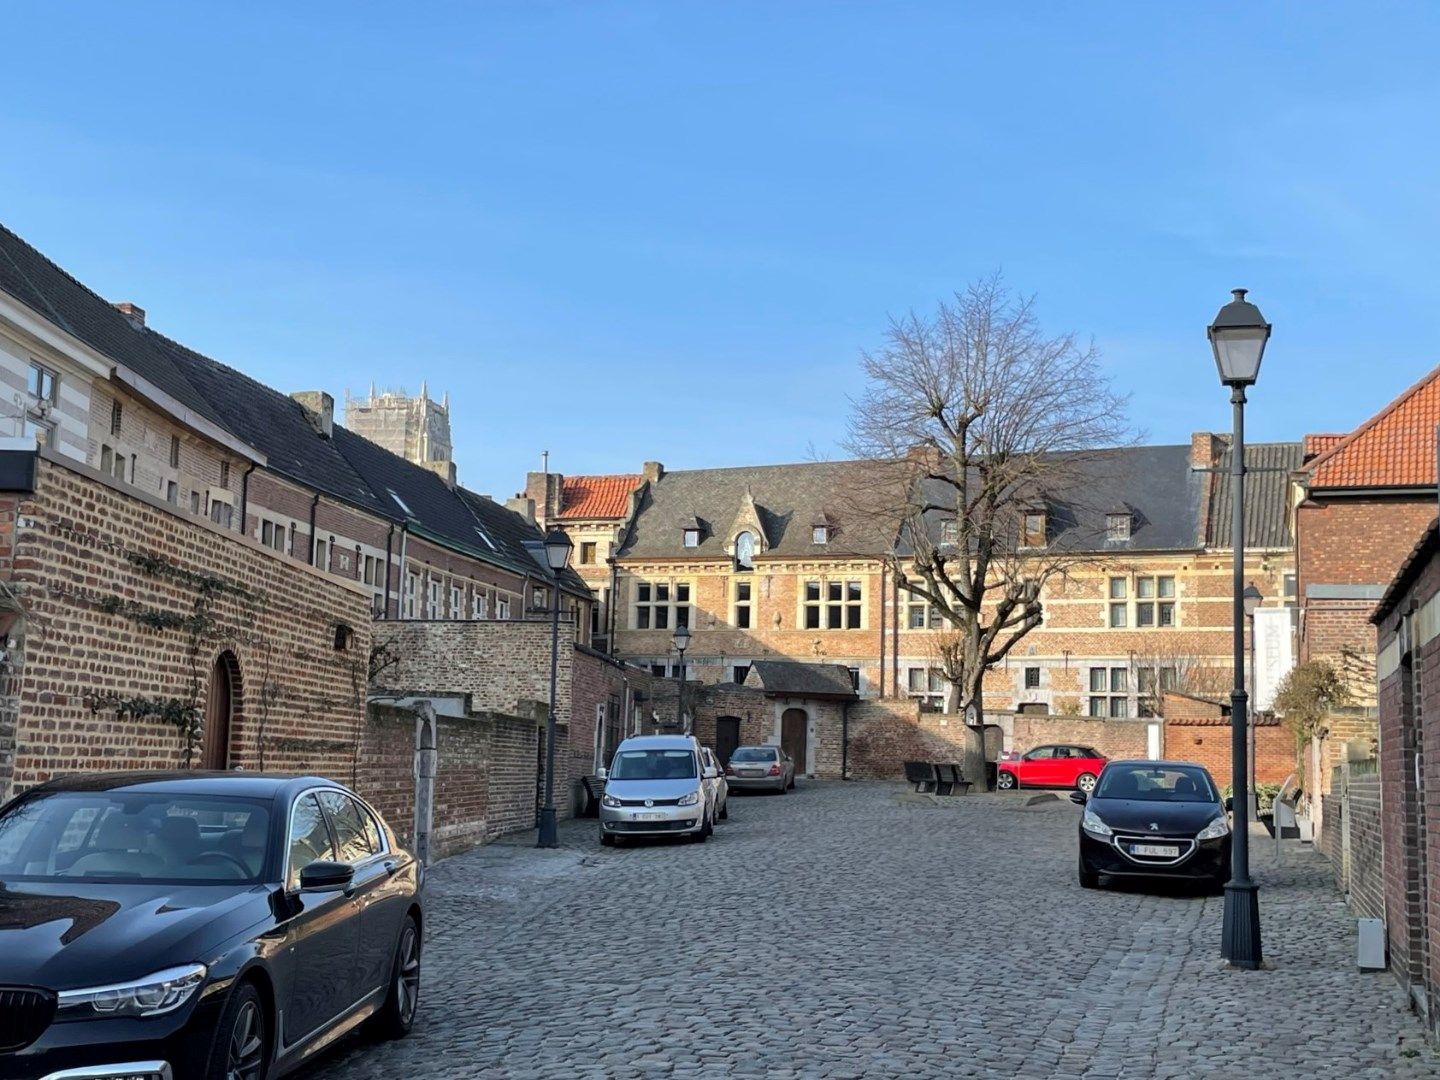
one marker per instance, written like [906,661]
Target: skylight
[481,533]
[400,502]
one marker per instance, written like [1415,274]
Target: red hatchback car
[1062,766]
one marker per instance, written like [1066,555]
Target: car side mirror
[1229,803]
[602,773]
[711,774]
[1078,798]
[325,876]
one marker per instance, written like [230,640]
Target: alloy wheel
[247,1044]
[407,974]
[1086,783]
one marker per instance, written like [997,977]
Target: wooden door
[727,738]
[793,736]
[219,704]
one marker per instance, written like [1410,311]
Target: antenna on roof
[545,462]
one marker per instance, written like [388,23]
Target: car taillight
[729,771]
[774,770]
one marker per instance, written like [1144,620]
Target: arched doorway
[794,737]
[219,711]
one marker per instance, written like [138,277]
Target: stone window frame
[1027,681]
[743,604]
[672,610]
[457,601]
[1110,693]
[927,614]
[589,552]
[410,596]
[821,604]
[926,685]
[117,412]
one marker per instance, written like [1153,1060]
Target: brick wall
[1113,738]
[886,734]
[1209,745]
[92,602]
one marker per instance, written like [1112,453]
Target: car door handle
[391,867]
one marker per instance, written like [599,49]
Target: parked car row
[671,785]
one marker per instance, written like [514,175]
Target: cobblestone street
[854,931]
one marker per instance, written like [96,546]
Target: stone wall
[128,603]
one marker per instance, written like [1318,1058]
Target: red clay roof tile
[597,496]
[1394,448]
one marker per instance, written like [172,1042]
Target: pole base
[549,831]
[1240,938]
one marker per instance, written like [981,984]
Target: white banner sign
[1274,653]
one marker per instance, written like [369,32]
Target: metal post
[680,694]
[1240,938]
[549,832]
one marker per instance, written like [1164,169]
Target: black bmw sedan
[1154,819]
[177,925]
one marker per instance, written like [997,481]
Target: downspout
[314,505]
[845,736]
[610,607]
[245,497]
[400,576]
[895,635]
[882,643]
[389,547]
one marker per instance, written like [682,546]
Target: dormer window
[950,533]
[820,534]
[1033,535]
[1117,526]
[692,538]
[745,551]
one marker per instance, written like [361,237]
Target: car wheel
[397,1016]
[1089,879]
[1006,781]
[1085,782]
[240,1050]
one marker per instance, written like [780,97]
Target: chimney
[652,471]
[522,506]
[134,313]
[547,491]
[443,469]
[1205,449]
[319,410]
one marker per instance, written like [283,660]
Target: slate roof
[40,284]
[1267,496]
[1395,448]
[597,496]
[790,678]
[788,500]
[344,466]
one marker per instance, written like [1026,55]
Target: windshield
[753,753]
[128,836]
[1151,783]
[654,765]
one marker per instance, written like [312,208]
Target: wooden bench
[921,774]
[949,780]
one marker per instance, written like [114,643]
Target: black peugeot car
[177,925]
[1154,819]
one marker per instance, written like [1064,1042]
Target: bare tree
[980,418]
[1165,666]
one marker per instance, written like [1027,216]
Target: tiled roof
[1395,448]
[597,496]
[1316,445]
[1267,493]
[790,678]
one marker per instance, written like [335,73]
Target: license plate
[649,817]
[1158,851]
[751,772]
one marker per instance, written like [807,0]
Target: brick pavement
[846,930]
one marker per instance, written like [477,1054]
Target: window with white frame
[744,597]
[412,595]
[920,616]
[927,686]
[692,538]
[432,599]
[1155,601]
[1151,683]
[540,598]
[950,533]
[1117,526]
[457,601]
[1109,691]
[1119,609]
[820,534]
[480,603]
[43,382]
[502,607]
[661,605]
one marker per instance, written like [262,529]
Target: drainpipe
[389,542]
[610,607]
[845,735]
[314,505]
[895,635]
[245,497]
[400,577]
[882,635]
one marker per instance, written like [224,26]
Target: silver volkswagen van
[655,786]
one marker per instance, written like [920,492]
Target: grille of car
[25,1013]
[650,802]
[651,826]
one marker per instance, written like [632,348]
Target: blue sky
[621,231]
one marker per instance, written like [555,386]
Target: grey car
[657,785]
[760,768]
[719,786]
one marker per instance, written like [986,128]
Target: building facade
[416,429]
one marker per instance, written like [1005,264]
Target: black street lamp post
[1238,337]
[1253,599]
[681,640]
[557,555]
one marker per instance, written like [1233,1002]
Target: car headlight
[610,801]
[153,995]
[688,800]
[1217,828]
[1092,824]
